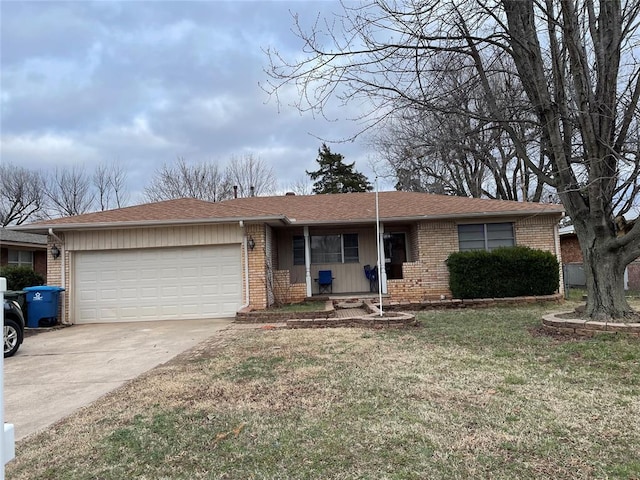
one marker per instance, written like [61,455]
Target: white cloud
[45,151]
[146,82]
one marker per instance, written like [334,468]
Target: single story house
[23,249]
[189,258]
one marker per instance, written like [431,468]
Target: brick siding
[54,277]
[633,270]
[257,257]
[570,247]
[285,291]
[40,262]
[428,277]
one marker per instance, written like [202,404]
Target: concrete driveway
[56,372]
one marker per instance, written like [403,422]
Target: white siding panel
[153,237]
[157,283]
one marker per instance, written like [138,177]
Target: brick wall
[285,291]
[40,262]
[257,267]
[428,277]
[39,259]
[413,244]
[570,248]
[54,276]
[633,272]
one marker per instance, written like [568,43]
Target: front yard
[467,394]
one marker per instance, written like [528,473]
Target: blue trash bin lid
[44,288]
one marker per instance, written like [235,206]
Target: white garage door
[157,284]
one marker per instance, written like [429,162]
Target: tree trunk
[604,272]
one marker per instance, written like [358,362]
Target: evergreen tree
[335,176]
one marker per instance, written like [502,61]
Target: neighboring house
[572,263]
[194,259]
[24,250]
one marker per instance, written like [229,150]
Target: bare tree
[458,149]
[22,195]
[575,60]
[251,175]
[120,192]
[69,191]
[199,180]
[109,181]
[300,186]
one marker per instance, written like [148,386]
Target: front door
[395,254]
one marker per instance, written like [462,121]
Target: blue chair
[325,281]
[372,276]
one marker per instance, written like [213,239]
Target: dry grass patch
[469,394]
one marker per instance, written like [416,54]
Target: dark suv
[13,327]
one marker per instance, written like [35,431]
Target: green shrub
[20,277]
[503,272]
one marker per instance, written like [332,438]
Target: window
[328,249]
[350,243]
[20,258]
[485,236]
[298,250]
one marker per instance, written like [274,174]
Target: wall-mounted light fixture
[55,251]
[251,243]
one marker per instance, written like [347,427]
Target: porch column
[307,261]
[383,262]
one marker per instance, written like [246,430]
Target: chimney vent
[235,191]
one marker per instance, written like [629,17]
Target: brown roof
[302,209]
[352,207]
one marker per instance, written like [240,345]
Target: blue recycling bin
[42,305]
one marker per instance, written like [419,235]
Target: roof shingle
[13,236]
[305,209]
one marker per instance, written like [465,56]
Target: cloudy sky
[145,82]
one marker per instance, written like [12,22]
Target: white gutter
[415,218]
[147,223]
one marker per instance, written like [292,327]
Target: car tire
[12,337]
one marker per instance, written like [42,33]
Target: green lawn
[467,394]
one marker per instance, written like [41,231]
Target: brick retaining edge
[587,328]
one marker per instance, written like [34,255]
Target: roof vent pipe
[235,191]
[253,191]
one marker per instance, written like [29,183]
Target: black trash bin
[17,295]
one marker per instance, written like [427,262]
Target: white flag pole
[378,244]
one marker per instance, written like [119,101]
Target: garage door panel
[157,284]
[106,294]
[108,314]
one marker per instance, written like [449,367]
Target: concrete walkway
[56,372]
